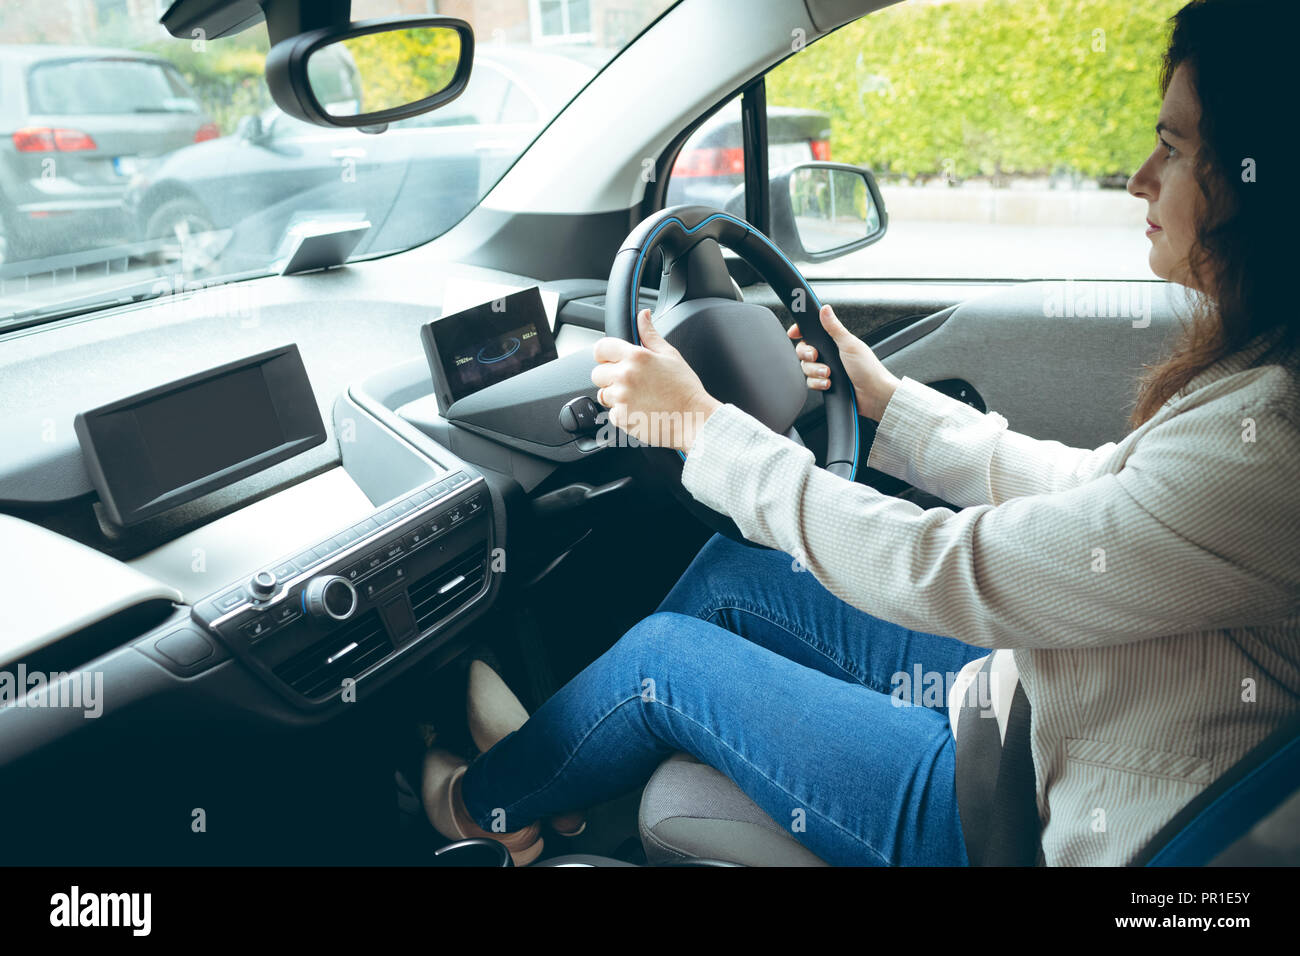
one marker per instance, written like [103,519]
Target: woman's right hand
[873,384]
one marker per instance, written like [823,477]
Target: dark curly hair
[1239,55]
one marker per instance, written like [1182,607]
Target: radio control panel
[334,613]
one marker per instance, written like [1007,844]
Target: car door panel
[1071,378]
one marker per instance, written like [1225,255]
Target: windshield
[134,164]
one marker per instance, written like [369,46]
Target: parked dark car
[711,164]
[75,122]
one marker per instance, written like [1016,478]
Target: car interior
[276,518]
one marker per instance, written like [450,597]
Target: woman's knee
[668,649]
[661,638]
[722,570]
[678,651]
[675,665]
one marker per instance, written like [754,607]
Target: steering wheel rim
[698,312]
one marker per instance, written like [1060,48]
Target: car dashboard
[286,595]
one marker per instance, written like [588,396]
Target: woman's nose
[1143,183]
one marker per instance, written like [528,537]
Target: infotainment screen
[489,343]
[171,444]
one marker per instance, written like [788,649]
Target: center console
[391,550]
[343,578]
[317,621]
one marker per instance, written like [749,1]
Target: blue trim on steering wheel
[636,285]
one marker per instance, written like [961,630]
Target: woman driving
[1146,593]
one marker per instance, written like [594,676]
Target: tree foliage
[407,65]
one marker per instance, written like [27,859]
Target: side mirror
[371,73]
[822,211]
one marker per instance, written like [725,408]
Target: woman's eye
[1170,149]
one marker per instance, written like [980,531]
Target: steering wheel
[741,354]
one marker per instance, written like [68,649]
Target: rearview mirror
[822,211]
[372,73]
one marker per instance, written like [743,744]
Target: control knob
[262,585]
[330,596]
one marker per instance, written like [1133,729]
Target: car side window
[103,86]
[710,167]
[997,154]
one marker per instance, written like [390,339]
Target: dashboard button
[374,560]
[230,599]
[306,560]
[579,415]
[416,538]
[382,582]
[458,479]
[568,421]
[258,627]
[474,504]
[394,549]
[403,506]
[286,612]
[421,496]
[354,571]
[326,549]
[455,514]
[346,538]
[438,525]
[387,515]
[284,571]
[365,527]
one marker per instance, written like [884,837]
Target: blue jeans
[753,667]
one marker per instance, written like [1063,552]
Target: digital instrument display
[470,350]
[169,445]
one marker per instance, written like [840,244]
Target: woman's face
[1167,182]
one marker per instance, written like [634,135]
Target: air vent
[321,669]
[443,593]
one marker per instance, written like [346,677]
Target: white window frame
[542,39]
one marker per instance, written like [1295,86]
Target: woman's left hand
[650,390]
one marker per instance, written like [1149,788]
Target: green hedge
[988,87]
[396,68]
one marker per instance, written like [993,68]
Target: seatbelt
[995,783]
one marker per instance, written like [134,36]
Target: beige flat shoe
[440,792]
[493,711]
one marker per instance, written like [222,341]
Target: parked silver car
[75,122]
